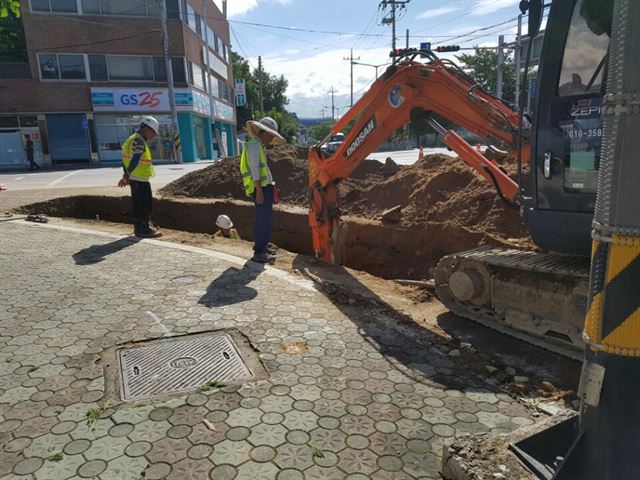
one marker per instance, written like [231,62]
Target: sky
[314,63]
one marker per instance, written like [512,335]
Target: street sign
[425,46]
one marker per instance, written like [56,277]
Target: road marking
[16,179]
[158,322]
[64,177]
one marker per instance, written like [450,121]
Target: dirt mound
[439,193]
[288,166]
[441,189]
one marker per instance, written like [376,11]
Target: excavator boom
[411,91]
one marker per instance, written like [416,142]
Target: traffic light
[398,52]
[448,48]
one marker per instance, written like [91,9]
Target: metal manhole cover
[187,279]
[177,366]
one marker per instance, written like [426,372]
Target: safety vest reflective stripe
[245,169]
[144,169]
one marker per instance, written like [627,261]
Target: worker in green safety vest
[138,171]
[258,183]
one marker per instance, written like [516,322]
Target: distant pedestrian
[28,148]
[138,171]
[258,183]
[224,223]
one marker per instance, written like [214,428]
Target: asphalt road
[108,176]
[90,177]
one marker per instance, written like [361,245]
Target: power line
[99,42]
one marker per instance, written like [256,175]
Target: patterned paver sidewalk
[363,399]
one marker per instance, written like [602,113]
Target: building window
[177,63]
[198,77]
[61,6]
[129,68]
[98,68]
[71,67]
[49,67]
[121,7]
[61,66]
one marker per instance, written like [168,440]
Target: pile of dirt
[436,191]
[442,190]
[288,166]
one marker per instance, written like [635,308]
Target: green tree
[321,130]
[273,87]
[8,7]
[13,47]
[481,66]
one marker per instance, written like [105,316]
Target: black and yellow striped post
[177,145]
[607,446]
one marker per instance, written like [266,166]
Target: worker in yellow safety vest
[224,223]
[258,183]
[138,171]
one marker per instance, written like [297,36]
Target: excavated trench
[384,250]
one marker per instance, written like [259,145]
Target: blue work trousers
[263,221]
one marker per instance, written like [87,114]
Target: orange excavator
[538,297]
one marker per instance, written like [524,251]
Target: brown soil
[438,194]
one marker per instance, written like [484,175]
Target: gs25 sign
[143,100]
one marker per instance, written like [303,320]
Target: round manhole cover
[186,279]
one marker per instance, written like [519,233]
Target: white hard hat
[150,122]
[224,222]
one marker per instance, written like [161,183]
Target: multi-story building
[95,67]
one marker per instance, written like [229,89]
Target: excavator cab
[567,132]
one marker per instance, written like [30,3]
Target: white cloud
[237,8]
[484,7]
[436,12]
[311,77]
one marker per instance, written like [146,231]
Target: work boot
[264,257]
[272,249]
[148,233]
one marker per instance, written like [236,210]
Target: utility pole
[333,106]
[351,61]
[322,112]
[169,71]
[500,69]
[260,83]
[395,4]
[516,60]
[407,36]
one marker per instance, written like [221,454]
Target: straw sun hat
[266,124]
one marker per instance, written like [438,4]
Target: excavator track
[540,298]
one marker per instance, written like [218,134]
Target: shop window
[153,9]
[61,6]
[98,68]
[28,121]
[49,66]
[71,67]
[130,68]
[8,121]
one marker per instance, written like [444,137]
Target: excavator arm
[411,91]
